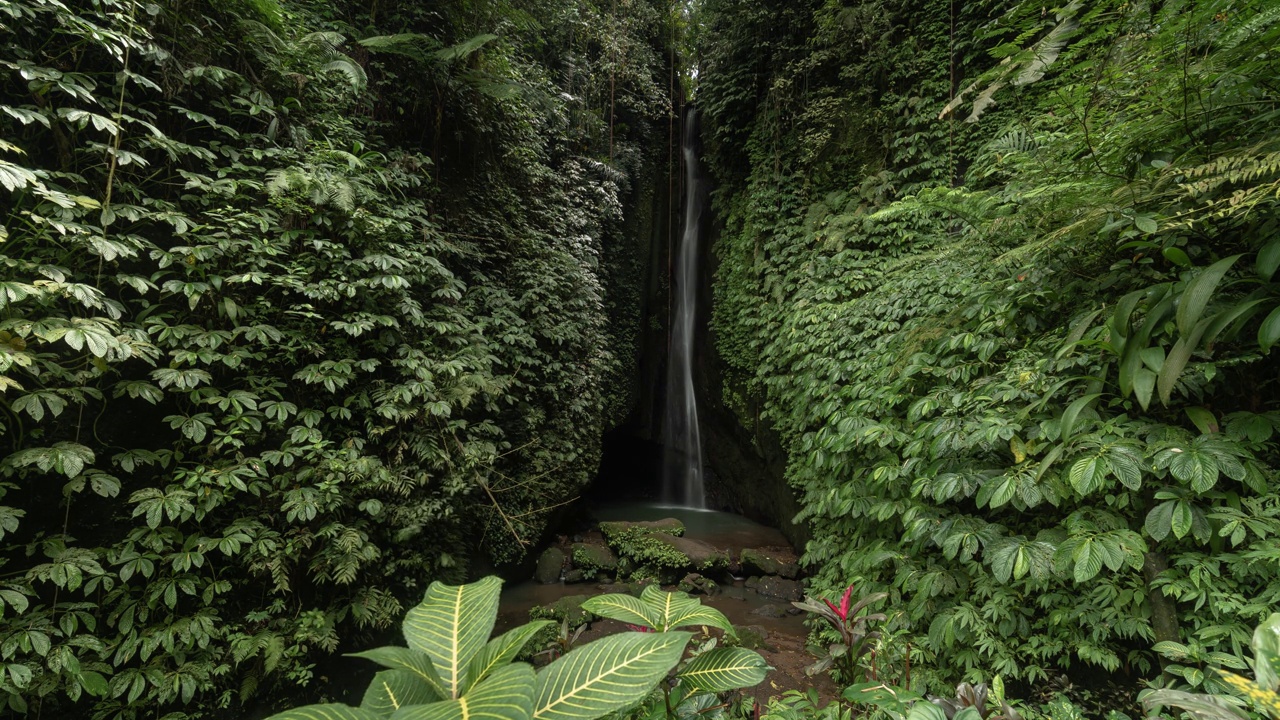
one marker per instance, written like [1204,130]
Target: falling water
[682,481]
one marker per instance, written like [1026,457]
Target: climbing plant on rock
[1014,322]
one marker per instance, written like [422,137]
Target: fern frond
[351,69]
[411,45]
[464,48]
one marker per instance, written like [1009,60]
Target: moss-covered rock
[645,548]
[751,637]
[594,557]
[550,563]
[780,589]
[698,555]
[566,608]
[695,583]
[666,526]
[762,561]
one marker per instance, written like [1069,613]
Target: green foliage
[446,673]
[970,702]
[1023,367]
[1224,703]
[287,322]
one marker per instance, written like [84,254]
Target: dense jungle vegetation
[303,306]
[311,312]
[1003,277]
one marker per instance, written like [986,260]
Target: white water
[682,481]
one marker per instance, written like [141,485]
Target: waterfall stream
[682,480]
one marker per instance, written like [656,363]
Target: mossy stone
[566,608]
[550,563]
[594,557]
[759,561]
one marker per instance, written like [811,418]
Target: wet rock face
[771,611]
[550,563]
[780,589]
[770,561]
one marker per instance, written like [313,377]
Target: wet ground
[784,637]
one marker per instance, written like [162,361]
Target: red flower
[639,628]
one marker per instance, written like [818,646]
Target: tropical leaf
[1198,292]
[326,712]
[500,651]
[451,625]
[676,610]
[507,694]
[394,689]
[1072,413]
[623,608]
[1266,652]
[1268,260]
[1197,705]
[464,48]
[606,675]
[1269,332]
[399,658]
[724,669]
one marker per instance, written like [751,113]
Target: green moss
[566,608]
[593,558]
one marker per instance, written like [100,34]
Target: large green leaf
[1269,331]
[500,651]
[399,658]
[623,608]
[1178,358]
[1198,292]
[451,625]
[391,690]
[1072,412]
[1268,260]
[507,694]
[1266,652]
[609,674]
[1197,705]
[326,712]
[677,610]
[724,669]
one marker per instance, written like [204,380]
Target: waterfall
[682,481]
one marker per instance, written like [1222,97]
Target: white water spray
[682,481]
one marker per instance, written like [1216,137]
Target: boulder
[622,588]
[780,589]
[699,554]
[771,611]
[753,637]
[594,557]
[549,565]
[763,561]
[666,526]
[566,608]
[574,576]
[696,584]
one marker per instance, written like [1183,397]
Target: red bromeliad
[843,610]
[856,638]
